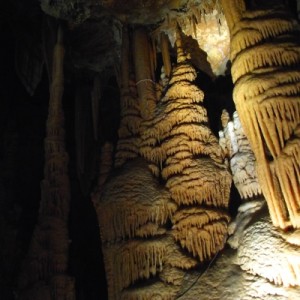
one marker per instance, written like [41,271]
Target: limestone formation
[265,55]
[168,225]
[188,157]
[240,155]
[45,271]
[129,131]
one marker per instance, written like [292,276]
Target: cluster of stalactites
[200,230]
[45,269]
[195,13]
[265,55]
[186,154]
[240,156]
[133,215]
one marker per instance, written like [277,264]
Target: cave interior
[92,69]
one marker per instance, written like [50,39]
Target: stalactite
[44,275]
[105,166]
[80,134]
[29,63]
[127,147]
[164,43]
[143,73]
[265,55]
[95,99]
[152,57]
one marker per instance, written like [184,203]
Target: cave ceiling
[95,32]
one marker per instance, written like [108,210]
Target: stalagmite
[127,146]
[265,54]
[44,274]
[190,160]
[133,209]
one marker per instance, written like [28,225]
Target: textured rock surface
[247,272]
[265,54]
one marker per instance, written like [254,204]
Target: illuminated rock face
[269,253]
[240,155]
[268,259]
[265,55]
[250,272]
[265,261]
[243,168]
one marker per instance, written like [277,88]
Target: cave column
[265,56]
[233,10]
[143,72]
[165,51]
[45,270]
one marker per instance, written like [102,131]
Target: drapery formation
[45,270]
[265,56]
